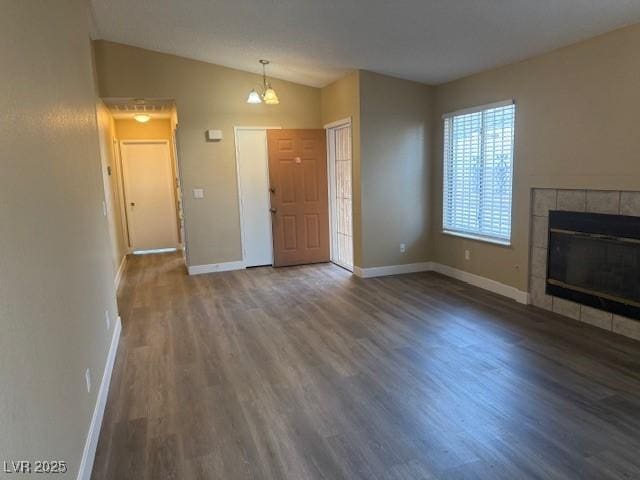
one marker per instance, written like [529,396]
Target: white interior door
[253,186]
[340,194]
[148,187]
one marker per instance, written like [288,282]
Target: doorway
[299,201]
[340,164]
[150,205]
[253,192]
[282,177]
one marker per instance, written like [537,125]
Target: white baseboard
[120,271]
[91,443]
[476,280]
[216,267]
[392,269]
[482,282]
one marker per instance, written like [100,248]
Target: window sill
[479,238]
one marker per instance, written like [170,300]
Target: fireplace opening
[594,259]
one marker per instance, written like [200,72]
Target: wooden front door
[299,198]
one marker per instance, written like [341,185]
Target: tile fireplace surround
[593,201]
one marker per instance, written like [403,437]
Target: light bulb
[270,97]
[254,97]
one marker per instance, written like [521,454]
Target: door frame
[179,188]
[237,129]
[121,196]
[331,173]
[166,142]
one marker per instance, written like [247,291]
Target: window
[478,171]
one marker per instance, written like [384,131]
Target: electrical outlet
[87,377]
[467,254]
[198,193]
[107,319]
[403,248]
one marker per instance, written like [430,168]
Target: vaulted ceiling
[314,42]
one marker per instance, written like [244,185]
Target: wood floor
[310,373]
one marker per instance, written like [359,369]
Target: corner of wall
[395,169]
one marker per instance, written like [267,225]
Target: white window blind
[478,171]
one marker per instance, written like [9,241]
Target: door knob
[133,204]
[272,190]
[273,210]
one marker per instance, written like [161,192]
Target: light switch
[198,193]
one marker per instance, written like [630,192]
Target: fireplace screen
[594,259]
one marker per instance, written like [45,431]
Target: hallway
[308,372]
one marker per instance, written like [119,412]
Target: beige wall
[340,100]
[395,138]
[207,96]
[56,278]
[112,185]
[154,129]
[576,127]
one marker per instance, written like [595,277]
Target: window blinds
[478,171]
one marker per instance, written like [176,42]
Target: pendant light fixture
[268,94]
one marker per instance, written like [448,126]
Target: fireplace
[594,259]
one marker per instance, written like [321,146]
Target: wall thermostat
[214,135]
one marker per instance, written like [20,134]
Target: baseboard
[216,267]
[120,272]
[476,280]
[482,282]
[392,269]
[91,443]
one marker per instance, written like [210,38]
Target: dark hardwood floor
[310,373]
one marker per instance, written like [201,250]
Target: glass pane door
[341,195]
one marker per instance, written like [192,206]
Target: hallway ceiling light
[268,94]
[142,117]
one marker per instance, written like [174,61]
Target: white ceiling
[314,42]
